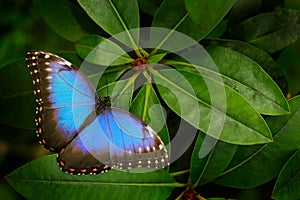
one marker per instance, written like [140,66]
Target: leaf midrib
[72,182]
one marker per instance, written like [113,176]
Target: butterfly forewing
[54,81]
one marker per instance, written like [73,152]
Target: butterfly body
[88,134]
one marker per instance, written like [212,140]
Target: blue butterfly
[88,134]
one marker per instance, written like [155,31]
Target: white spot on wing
[65,63]
[47,56]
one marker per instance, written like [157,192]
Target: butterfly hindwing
[118,139]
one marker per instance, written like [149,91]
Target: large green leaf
[259,56]
[258,164]
[101,51]
[270,31]
[249,79]
[199,100]
[243,75]
[206,13]
[173,15]
[147,107]
[288,183]
[42,179]
[17,102]
[115,16]
[205,169]
[64,20]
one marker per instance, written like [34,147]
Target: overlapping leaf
[101,51]
[259,56]
[270,31]
[215,11]
[42,179]
[64,21]
[288,182]
[248,78]
[265,161]
[202,102]
[205,168]
[115,16]
[243,75]
[180,20]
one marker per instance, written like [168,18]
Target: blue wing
[64,95]
[90,136]
[115,138]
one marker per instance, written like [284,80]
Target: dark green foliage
[235,99]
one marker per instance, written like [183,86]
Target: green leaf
[156,58]
[114,16]
[101,51]
[64,21]
[147,107]
[288,182]
[172,15]
[243,75]
[205,169]
[259,56]
[259,164]
[17,102]
[270,31]
[42,179]
[199,100]
[249,79]
[214,11]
